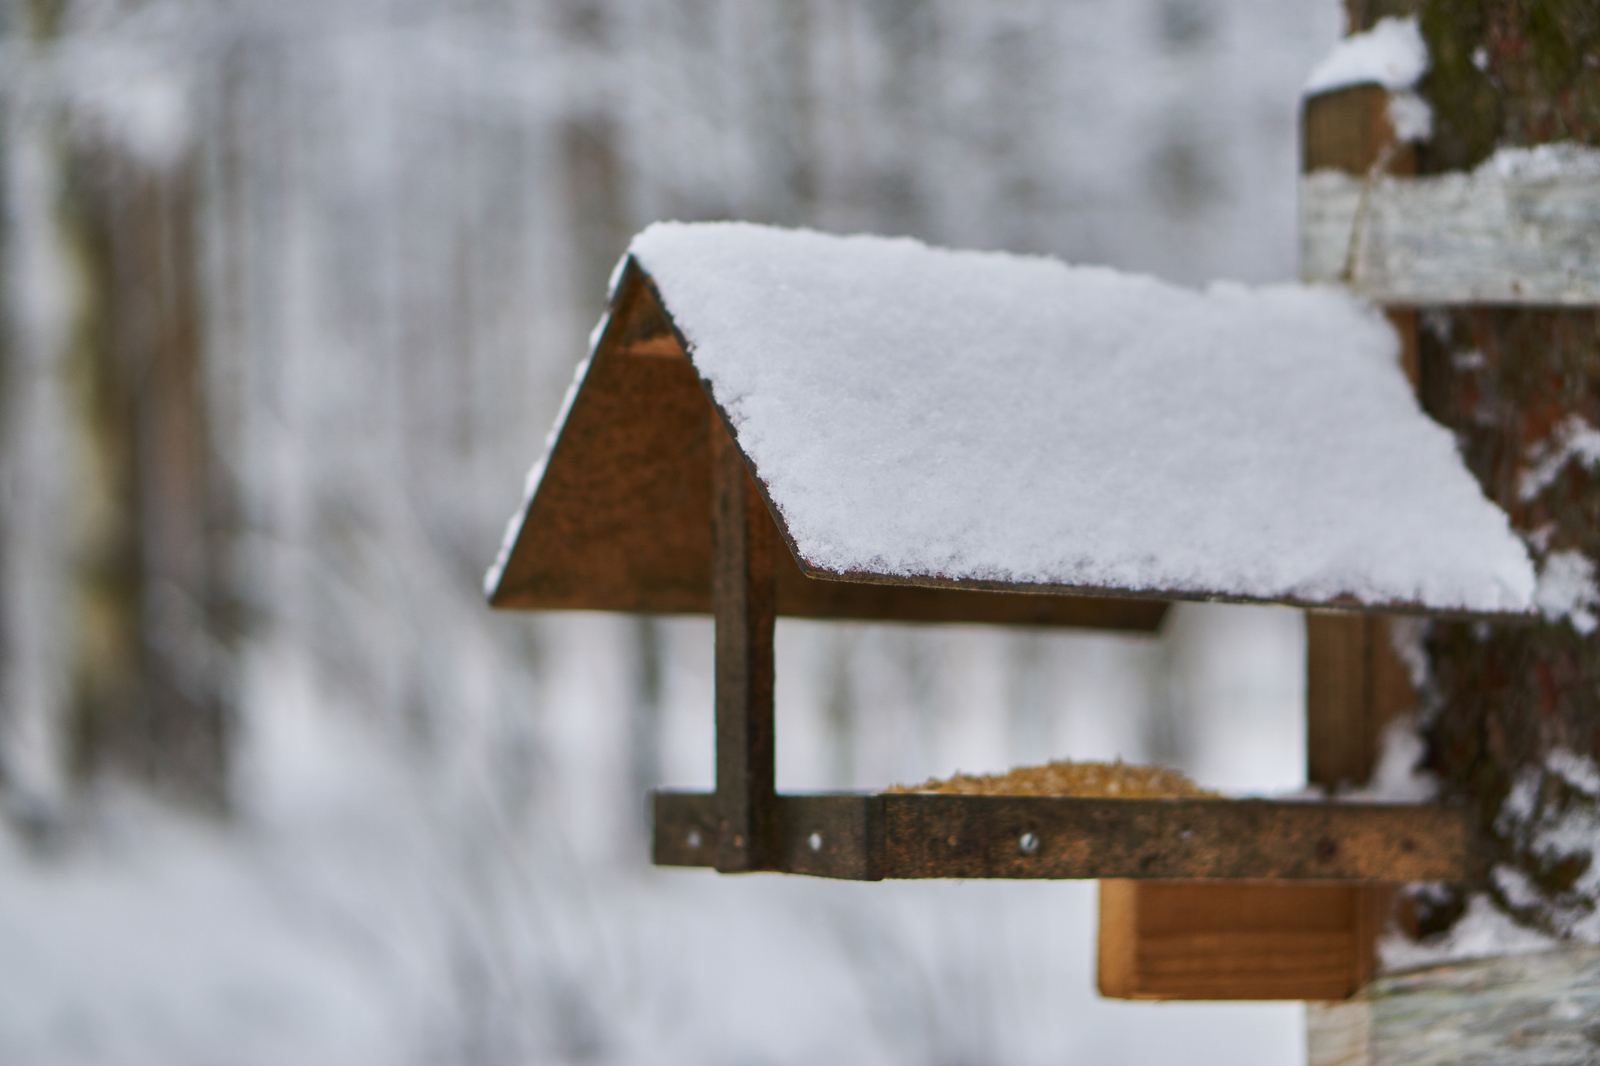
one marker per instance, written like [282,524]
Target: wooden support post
[743,603]
[1355,686]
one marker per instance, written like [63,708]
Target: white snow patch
[139,97]
[1545,162]
[1391,54]
[1410,116]
[1516,886]
[1573,831]
[1540,538]
[171,940]
[1567,590]
[964,415]
[1483,931]
[1573,439]
[1521,801]
[1407,638]
[1555,833]
[1396,778]
[1579,771]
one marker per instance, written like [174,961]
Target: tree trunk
[1513,712]
[151,663]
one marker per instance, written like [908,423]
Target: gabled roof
[921,419]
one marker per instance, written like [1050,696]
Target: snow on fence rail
[1522,228]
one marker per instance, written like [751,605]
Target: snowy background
[401,215]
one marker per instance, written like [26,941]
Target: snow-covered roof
[982,420]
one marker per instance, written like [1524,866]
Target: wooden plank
[1355,686]
[1349,130]
[804,597]
[622,517]
[838,835]
[744,606]
[1068,838]
[1539,1009]
[929,836]
[1488,236]
[1164,940]
[685,828]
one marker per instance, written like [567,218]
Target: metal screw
[1028,842]
[815,840]
[694,837]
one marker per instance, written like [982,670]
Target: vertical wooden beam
[1355,686]
[1349,130]
[743,598]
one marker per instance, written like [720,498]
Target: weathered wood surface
[910,835]
[622,519]
[743,604]
[1486,236]
[1349,130]
[1482,237]
[1521,1010]
[1355,686]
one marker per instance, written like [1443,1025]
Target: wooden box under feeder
[778,423]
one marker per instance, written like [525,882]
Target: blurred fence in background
[291,293]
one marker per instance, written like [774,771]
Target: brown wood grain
[984,836]
[1173,940]
[916,835]
[1348,129]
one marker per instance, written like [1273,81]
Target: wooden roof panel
[621,520]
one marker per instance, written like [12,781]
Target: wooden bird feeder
[779,423]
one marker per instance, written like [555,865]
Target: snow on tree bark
[1514,721]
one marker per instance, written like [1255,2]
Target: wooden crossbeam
[915,836]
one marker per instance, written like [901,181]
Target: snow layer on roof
[1392,54]
[968,415]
